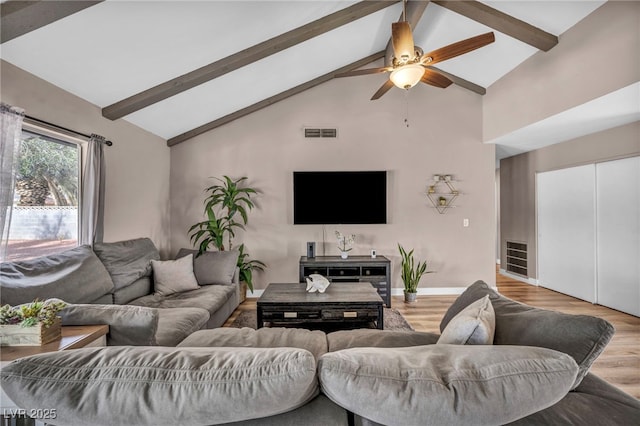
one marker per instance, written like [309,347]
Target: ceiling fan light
[407,76]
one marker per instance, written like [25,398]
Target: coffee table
[342,304]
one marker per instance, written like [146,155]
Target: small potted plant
[411,274]
[31,324]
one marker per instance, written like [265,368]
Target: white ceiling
[115,49]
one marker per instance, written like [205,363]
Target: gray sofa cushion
[446,384]
[128,325]
[212,267]
[127,260]
[140,287]
[163,386]
[174,324]
[581,336]
[594,403]
[313,341]
[360,338]
[75,275]
[210,297]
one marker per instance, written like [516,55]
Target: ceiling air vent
[320,133]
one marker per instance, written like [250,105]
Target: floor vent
[517,258]
[320,133]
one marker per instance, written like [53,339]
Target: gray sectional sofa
[113,284]
[533,371]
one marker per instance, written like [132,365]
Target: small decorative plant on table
[411,274]
[31,324]
[344,243]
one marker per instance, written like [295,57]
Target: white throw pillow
[174,276]
[474,325]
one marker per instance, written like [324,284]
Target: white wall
[267,146]
[137,187]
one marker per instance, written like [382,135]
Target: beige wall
[597,56]
[518,176]
[137,187]
[444,137]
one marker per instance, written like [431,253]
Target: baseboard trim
[526,280]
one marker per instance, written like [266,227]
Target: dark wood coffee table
[342,304]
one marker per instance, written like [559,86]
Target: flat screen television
[326,198]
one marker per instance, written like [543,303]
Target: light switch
[465,222]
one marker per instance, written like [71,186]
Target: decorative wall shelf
[442,193]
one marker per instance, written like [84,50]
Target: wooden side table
[73,337]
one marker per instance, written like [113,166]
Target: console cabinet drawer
[374,271]
[308,270]
[344,272]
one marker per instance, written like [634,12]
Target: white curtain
[11,131]
[92,200]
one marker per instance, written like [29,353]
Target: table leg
[380,317]
[259,317]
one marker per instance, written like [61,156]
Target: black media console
[376,270]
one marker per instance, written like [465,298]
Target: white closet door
[566,231]
[618,233]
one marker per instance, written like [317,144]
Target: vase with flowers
[344,243]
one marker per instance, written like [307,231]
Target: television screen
[324,198]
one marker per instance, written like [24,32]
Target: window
[45,215]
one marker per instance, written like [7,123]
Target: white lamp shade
[407,76]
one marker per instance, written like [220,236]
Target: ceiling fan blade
[382,90]
[436,79]
[402,41]
[457,49]
[363,72]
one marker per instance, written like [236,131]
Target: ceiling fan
[410,65]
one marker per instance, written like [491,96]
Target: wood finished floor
[619,364]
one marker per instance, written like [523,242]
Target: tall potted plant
[411,274]
[227,207]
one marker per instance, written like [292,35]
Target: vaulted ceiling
[148,62]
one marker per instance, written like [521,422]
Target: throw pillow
[474,325]
[583,337]
[174,276]
[446,384]
[213,267]
[123,385]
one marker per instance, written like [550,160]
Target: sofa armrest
[128,325]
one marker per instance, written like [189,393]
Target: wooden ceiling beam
[233,62]
[21,17]
[272,100]
[461,82]
[501,22]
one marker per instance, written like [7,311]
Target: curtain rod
[107,142]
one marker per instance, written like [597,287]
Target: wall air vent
[310,132]
[517,258]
